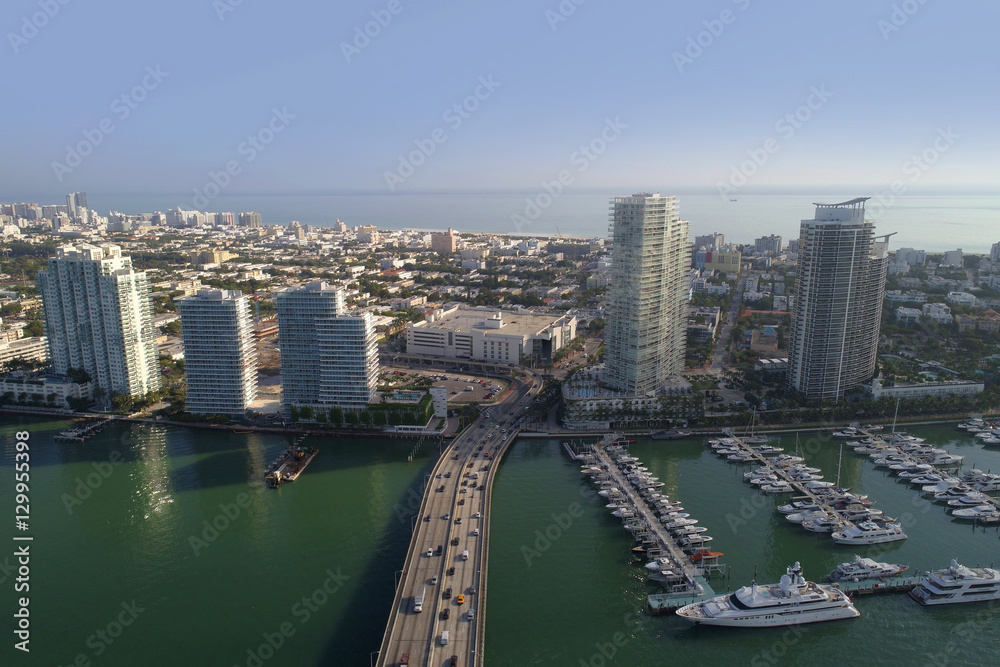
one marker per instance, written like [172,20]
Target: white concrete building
[961,299]
[329,358]
[939,312]
[647,319]
[36,349]
[99,318]
[838,301]
[220,352]
[924,389]
[995,253]
[906,316]
[489,334]
[953,258]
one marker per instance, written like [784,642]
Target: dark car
[445,613]
[440,488]
[454,661]
[440,549]
[461,501]
[451,571]
[447,593]
[454,542]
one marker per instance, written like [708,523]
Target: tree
[34,329]
[337,416]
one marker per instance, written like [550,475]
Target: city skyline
[770,98]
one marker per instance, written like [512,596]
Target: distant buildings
[250,220]
[911,256]
[835,320]
[953,258]
[329,358]
[446,243]
[220,352]
[767,244]
[710,242]
[99,318]
[646,321]
[995,253]
[725,262]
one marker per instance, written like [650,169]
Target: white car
[430,552]
[475,533]
[471,614]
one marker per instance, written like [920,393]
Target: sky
[398,96]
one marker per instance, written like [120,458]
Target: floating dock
[81,434]
[290,465]
[625,482]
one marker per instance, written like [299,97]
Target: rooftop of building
[463,319]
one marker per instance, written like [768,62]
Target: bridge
[447,557]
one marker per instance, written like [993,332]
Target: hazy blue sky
[887,94]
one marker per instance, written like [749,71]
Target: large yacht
[865,568]
[790,602]
[958,584]
[869,532]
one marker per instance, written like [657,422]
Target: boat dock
[82,433]
[625,483]
[662,603]
[818,496]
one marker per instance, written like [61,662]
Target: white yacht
[792,601]
[958,584]
[869,532]
[865,568]
[977,513]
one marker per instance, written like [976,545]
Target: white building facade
[838,304]
[329,358]
[647,320]
[99,318]
[220,352]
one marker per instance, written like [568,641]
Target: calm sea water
[935,223]
[314,560]
[564,588]
[317,558]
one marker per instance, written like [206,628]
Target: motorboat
[958,583]
[778,486]
[791,601]
[866,568]
[869,532]
[978,513]
[824,524]
[798,506]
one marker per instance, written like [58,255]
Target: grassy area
[703,384]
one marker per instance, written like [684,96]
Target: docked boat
[706,556]
[958,584]
[869,532]
[866,568]
[984,512]
[791,601]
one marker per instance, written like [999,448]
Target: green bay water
[134,534]
[565,589]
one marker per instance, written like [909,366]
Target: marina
[667,537]
[83,433]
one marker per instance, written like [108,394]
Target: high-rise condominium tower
[645,334]
[838,301]
[99,318]
[328,357]
[220,353]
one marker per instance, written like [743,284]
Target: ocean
[927,222]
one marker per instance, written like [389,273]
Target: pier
[609,459]
[81,434]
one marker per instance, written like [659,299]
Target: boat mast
[894,416]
